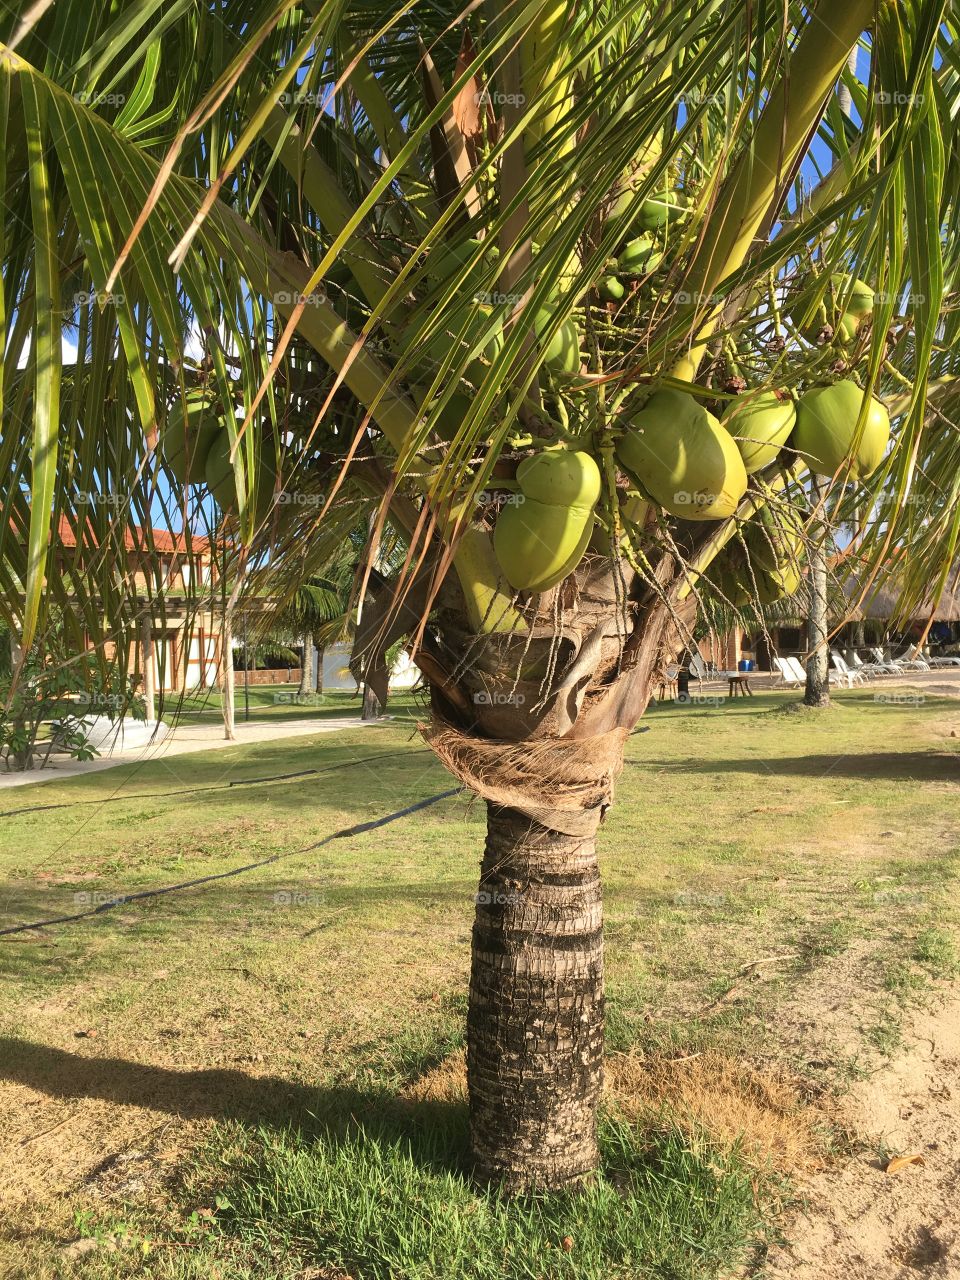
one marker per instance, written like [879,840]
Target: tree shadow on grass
[229,1094]
[894,766]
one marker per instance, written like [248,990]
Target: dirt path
[862,1222]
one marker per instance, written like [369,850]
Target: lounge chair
[844,672]
[787,674]
[869,670]
[896,668]
[798,669]
[913,660]
[915,654]
[876,666]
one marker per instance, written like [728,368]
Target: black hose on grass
[359,829]
[217,786]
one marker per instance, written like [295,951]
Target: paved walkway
[182,739]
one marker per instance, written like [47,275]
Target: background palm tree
[377,241]
[318,614]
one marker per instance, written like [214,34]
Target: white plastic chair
[697,668]
[937,662]
[891,664]
[787,675]
[856,665]
[913,660]
[877,666]
[843,671]
[798,669]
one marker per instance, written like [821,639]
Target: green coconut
[828,437]
[188,434]
[778,584]
[760,425]
[450,418]
[562,351]
[656,211]
[857,299]
[611,289]
[775,538]
[430,354]
[542,535]
[222,481]
[858,306]
[560,477]
[446,260]
[683,458]
[639,257]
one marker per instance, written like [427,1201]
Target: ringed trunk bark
[817,693]
[535,1018]
[306,666]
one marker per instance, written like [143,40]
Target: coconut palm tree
[487,275]
[319,614]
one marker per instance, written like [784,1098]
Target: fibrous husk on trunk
[563,784]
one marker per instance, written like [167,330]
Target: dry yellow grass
[710,1094]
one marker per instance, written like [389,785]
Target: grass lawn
[262,1076]
[270,702]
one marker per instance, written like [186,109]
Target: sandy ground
[865,1217]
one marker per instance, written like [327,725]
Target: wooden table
[739,682]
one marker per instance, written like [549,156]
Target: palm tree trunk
[227,683]
[371,704]
[817,692]
[535,1020]
[306,671]
[319,649]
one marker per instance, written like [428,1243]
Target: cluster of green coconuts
[638,255]
[696,467]
[680,456]
[560,350]
[196,448]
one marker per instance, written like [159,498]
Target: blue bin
[745,664]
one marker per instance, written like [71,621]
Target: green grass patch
[383,1205]
[322,985]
